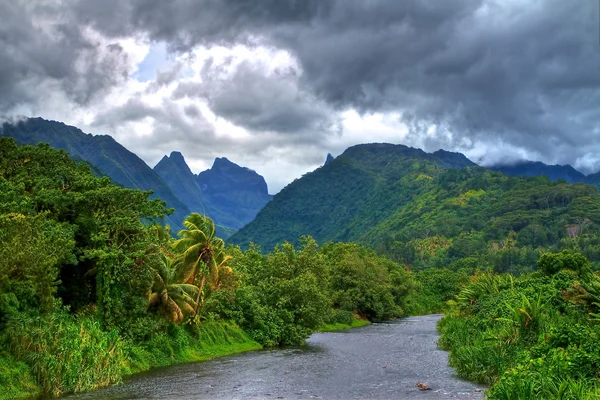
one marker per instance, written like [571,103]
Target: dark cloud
[259,100]
[43,49]
[491,77]
[527,73]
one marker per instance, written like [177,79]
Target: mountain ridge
[381,194]
[535,168]
[239,194]
[175,184]
[122,166]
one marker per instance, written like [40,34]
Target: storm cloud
[497,79]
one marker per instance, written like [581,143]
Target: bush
[528,337]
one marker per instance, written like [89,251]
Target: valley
[96,284]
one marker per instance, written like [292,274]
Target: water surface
[379,361]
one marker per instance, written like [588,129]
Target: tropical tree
[173,298]
[198,249]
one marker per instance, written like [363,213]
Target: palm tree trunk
[198,295]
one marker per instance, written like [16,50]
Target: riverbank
[382,360]
[336,327]
[178,346]
[210,340]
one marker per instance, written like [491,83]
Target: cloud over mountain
[271,80]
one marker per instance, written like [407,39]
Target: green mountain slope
[114,160]
[403,203]
[344,199]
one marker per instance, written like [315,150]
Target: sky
[275,85]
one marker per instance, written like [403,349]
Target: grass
[180,345]
[16,379]
[342,327]
[75,355]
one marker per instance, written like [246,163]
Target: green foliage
[16,379]
[283,296]
[65,353]
[31,250]
[550,263]
[435,288]
[367,284]
[528,337]
[342,326]
[187,343]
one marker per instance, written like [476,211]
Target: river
[379,361]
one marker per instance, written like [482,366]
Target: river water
[379,361]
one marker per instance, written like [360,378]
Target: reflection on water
[377,361]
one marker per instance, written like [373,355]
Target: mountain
[236,193]
[593,179]
[103,152]
[410,204]
[174,170]
[328,159]
[229,194]
[343,199]
[536,168]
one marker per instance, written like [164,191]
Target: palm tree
[175,299]
[197,249]
[220,261]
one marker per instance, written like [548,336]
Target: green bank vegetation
[92,288]
[532,336]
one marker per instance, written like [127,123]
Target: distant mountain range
[536,168]
[232,195]
[171,180]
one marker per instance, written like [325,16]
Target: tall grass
[180,344]
[66,353]
[527,337]
[60,353]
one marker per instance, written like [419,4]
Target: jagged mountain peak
[175,160]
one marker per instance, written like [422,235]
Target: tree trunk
[198,295]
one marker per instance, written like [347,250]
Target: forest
[94,286]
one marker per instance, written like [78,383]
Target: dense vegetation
[92,288]
[533,336]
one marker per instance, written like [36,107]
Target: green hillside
[404,204]
[346,198]
[103,152]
